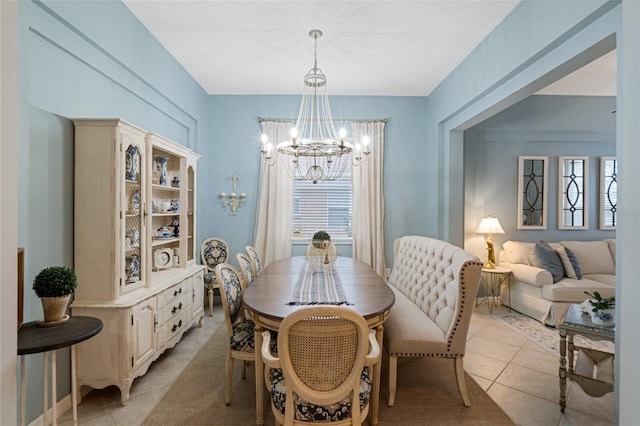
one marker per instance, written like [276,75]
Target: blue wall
[83,59]
[234,148]
[539,125]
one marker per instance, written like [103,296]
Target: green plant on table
[55,281]
[599,303]
[319,239]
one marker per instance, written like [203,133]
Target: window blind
[323,206]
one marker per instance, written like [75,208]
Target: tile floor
[521,376]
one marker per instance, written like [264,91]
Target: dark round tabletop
[33,338]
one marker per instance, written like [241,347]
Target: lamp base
[489,265]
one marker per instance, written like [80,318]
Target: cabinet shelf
[165,188]
[159,214]
[163,241]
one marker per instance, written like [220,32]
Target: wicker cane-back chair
[322,368]
[241,342]
[213,251]
[255,260]
[245,267]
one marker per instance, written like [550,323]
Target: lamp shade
[489,225]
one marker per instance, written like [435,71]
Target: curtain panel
[368,199]
[272,232]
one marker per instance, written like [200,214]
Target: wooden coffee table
[583,373]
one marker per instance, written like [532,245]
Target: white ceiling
[386,48]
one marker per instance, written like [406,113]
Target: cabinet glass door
[190,213]
[133,215]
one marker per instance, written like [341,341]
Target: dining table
[284,286]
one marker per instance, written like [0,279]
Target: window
[608,192]
[323,206]
[573,176]
[532,192]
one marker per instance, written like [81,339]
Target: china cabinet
[134,226]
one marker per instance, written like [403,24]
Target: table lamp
[490,225]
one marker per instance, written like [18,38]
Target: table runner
[318,288]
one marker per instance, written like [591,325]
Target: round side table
[493,279]
[33,338]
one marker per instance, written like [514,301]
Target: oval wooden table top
[270,293]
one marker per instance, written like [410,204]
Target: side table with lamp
[492,276]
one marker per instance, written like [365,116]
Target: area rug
[548,337]
[427,395]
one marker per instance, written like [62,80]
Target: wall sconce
[490,225]
[233,200]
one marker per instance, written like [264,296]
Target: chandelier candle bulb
[365,142]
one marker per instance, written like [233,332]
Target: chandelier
[316,151]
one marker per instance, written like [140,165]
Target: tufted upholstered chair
[322,369]
[435,284]
[245,268]
[241,342]
[213,251]
[255,260]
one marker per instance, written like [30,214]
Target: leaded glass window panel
[532,192]
[573,178]
[608,192]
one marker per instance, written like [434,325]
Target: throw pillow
[569,271]
[574,262]
[545,257]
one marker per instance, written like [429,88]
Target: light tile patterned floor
[518,374]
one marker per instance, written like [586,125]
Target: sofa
[435,284]
[538,290]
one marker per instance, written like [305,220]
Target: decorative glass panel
[573,177]
[532,192]
[133,216]
[608,192]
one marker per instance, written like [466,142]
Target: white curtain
[368,199]
[272,233]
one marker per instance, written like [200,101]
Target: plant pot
[604,317]
[54,308]
[321,258]
[320,244]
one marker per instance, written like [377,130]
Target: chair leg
[462,384]
[393,377]
[210,301]
[229,366]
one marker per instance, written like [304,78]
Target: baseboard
[62,407]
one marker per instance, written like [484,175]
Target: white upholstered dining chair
[240,329]
[213,252]
[246,268]
[255,260]
[322,368]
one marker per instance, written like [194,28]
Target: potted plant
[321,239]
[54,286]
[602,309]
[321,250]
